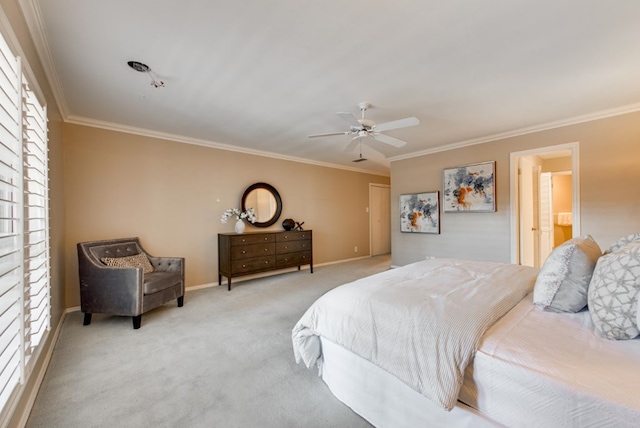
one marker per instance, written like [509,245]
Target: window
[24,226]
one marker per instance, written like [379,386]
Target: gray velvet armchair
[126,291]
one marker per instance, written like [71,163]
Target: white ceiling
[259,76]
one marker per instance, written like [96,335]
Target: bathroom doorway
[544,201]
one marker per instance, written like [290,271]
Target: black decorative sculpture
[288,224]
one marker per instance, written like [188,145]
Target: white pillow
[563,281]
[613,293]
[623,242]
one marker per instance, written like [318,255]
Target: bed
[484,352]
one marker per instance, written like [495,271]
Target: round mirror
[265,201]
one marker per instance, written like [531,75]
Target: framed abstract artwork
[420,212]
[470,188]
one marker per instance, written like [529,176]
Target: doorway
[534,202]
[379,219]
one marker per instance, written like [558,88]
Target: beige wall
[556,164]
[609,194]
[172,195]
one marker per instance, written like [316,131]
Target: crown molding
[79,120]
[631,108]
[33,18]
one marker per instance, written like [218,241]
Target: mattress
[544,369]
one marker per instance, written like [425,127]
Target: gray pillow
[563,281]
[613,293]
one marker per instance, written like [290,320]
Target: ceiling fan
[362,128]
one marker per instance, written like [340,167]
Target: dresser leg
[229,283]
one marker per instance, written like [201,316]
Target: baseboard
[270,273]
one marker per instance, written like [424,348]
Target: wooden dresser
[257,252]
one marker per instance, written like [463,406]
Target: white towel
[565,219]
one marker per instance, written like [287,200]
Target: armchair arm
[112,290]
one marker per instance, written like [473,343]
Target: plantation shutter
[36,223]
[11,356]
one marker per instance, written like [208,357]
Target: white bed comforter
[422,322]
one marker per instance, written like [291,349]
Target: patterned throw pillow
[139,260]
[623,242]
[613,293]
[563,281]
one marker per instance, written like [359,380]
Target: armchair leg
[180,301]
[87,319]
[137,320]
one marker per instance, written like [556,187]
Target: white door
[546,217]
[528,235]
[380,219]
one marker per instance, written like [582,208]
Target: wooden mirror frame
[276,196]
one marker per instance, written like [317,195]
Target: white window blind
[36,220]
[11,356]
[24,228]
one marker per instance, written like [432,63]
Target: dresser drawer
[256,264]
[293,259]
[292,246]
[254,250]
[252,239]
[293,236]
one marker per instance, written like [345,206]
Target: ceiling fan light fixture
[366,128]
[144,68]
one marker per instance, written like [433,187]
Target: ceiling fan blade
[395,124]
[395,142]
[329,134]
[352,144]
[348,117]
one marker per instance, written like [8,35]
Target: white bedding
[421,323]
[543,369]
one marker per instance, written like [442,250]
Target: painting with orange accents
[470,188]
[420,212]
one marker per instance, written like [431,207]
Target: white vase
[239,226]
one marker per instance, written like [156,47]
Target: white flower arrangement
[249,214]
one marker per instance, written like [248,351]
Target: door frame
[514,196]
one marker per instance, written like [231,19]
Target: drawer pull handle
[266,249]
[266,263]
[244,252]
[244,265]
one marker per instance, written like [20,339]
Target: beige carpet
[223,360]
